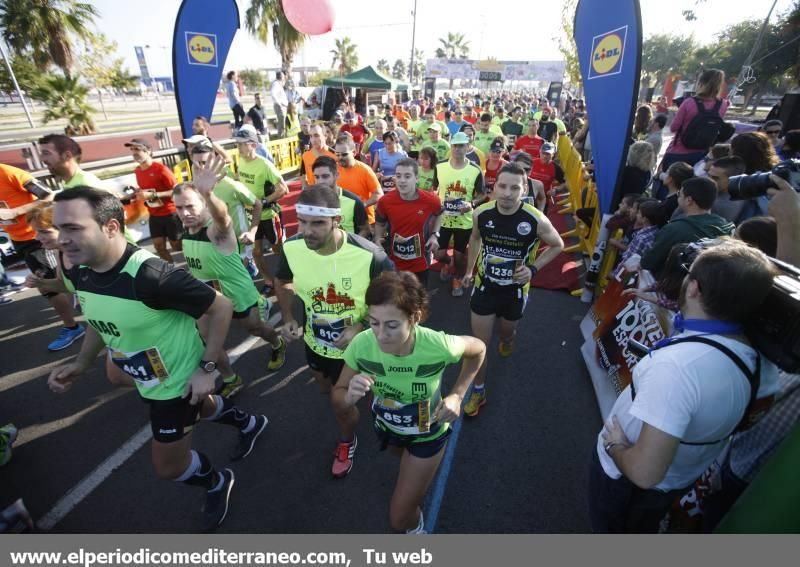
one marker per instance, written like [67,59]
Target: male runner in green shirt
[212,255]
[144,311]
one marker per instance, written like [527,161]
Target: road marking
[440,483]
[12,334]
[24,376]
[77,493]
[284,382]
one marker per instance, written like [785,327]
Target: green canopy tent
[366,78]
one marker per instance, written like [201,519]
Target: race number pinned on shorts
[327,331]
[453,207]
[146,366]
[403,419]
[406,248]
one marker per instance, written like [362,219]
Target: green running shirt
[237,198]
[145,311]
[261,177]
[407,388]
[224,273]
[455,186]
[332,287]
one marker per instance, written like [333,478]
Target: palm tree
[41,29]
[383,66]
[419,66]
[346,55]
[263,14]
[399,69]
[65,98]
[454,46]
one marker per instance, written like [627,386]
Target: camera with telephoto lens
[775,329]
[742,187]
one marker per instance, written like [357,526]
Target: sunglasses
[773,132]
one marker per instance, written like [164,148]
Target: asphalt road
[82,461]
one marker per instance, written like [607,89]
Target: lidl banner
[203,35]
[608,35]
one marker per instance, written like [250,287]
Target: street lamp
[16,86]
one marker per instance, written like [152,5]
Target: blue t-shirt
[454,127]
[374,148]
[389,161]
[230,90]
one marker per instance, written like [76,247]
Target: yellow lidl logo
[201,48]
[607,53]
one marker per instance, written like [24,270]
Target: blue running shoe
[66,337]
[250,264]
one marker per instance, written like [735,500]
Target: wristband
[534,270]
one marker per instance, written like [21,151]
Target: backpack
[704,129]
[756,407]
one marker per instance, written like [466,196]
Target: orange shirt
[362,181]
[309,157]
[12,195]
[402,116]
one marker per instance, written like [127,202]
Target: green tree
[265,14]
[383,66]
[25,71]
[419,66]
[65,98]
[664,53]
[454,46]
[252,79]
[345,56]
[97,64]
[41,29]
[316,79]
[122,81]
[399,69]
[566,42]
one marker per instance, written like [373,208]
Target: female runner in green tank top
[401,363]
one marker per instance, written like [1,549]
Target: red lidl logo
[607,53]
[201,48]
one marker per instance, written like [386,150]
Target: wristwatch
[208,366]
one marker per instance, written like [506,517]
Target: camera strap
[753,378]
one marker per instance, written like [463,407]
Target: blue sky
[383,30]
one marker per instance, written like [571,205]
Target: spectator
[739,210]
[791,146]
[623,218]
[666,291]
[649,218]
[642,122]
[231,88]
[709,87]
[761,233]
[279,101]
[756,151]
[695,198]
[717,151]
[304,137]
[655,133]
[677,173]
[292,124]
[669,425]
[637,173]
[772,129]
[257,116]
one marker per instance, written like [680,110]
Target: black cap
[139,142]
[496,146]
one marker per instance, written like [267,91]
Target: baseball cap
[349,115]
[459,138]
[203,146]
[244,135]
[522,156]
[435,126]
[138,142]
[548,148]
[496,146]
[467,126]
[339,113]
[196,139]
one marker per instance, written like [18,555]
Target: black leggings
[238,115]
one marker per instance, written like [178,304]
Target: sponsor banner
[543,71]
[203,35]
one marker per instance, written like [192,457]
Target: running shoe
[267,290]
[11,284]
[231,386]
[444,273]
[458,289]
[278,357]
[248,440]
[420,529]
[216,506]
[8,434]
[16,519]
[250,266]
[474,403]
[505,348]
[343,460]
[4,299]
[66,337]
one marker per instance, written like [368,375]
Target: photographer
[686,397]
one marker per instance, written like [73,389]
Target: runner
[547,171]
[61,155]
[356,176]
[459,184]
[505,235]
[402,363]
[354,213]
[535,195]
[155,181]
[19,194]
[212,255]
[531,143]
[386,160]
[434,141]
[329,270]
[427,168]
[413,218]
[494,163]
[240,202]
[473,154]
[319,147]
[264,181]
[486,133]
[144,310]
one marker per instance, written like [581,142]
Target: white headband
[313,211]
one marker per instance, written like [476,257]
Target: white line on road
[77,493]
[285,381]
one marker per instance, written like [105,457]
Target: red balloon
[312,17]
